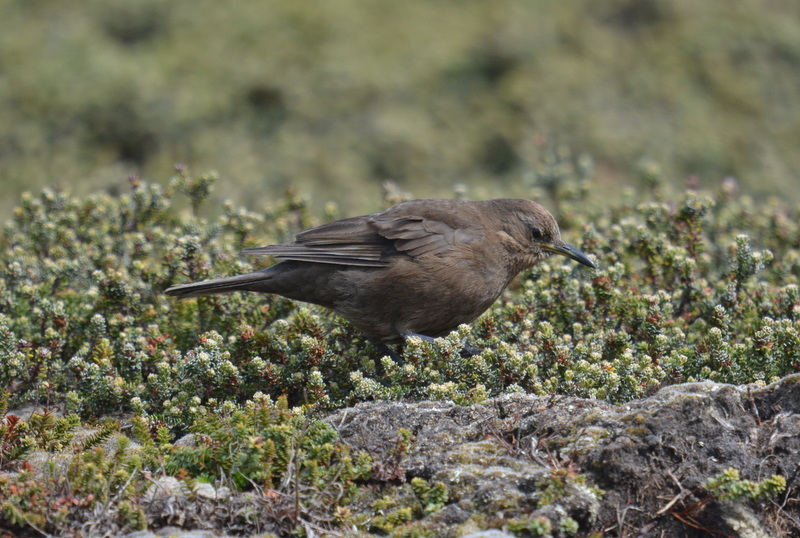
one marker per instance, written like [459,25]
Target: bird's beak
[565,249]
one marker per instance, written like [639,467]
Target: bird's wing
[367,241]
[352,241]
[418,236]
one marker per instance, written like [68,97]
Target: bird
[419,269]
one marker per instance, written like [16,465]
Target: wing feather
[418,236]
[342,254]
[369,241]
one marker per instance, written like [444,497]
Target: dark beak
[565,249]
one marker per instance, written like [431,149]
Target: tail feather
[218,285]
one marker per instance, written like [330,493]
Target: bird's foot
[386,351]
[468,350]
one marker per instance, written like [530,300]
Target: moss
[638,431]
[636,419]
[582,441]
[483,453]
[530,526]
[399,511]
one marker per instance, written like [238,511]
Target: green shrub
[727,486]
[704,289]
[107,483]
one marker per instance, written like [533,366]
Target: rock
[533,456]
[174,532]
[166,486]
[744,522]
[207,491]
[489,534]
[537,464]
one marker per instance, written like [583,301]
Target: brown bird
[420,268]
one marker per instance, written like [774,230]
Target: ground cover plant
[703,286]
[338,97]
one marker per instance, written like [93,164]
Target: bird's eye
[536,233]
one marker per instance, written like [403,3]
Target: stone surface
[522,459]
[489,534]
[499,457]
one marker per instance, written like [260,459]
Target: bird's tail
[248,282]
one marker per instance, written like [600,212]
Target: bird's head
[534,233]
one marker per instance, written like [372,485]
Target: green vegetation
[530,526]
[108,483]
[337,97]
[727,486]
[702,287]
[683,294]
[139,407]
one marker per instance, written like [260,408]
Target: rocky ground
[528,465]
[525,454]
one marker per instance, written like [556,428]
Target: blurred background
[441,97]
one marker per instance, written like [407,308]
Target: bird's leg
[385,350]
[468,350]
